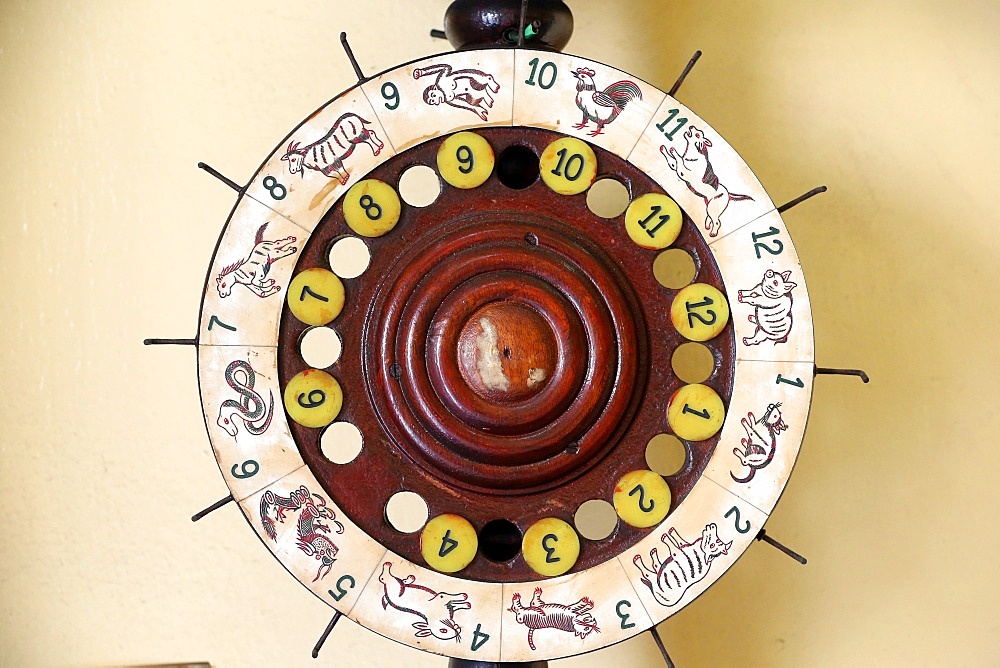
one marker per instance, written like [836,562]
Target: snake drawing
[250,408]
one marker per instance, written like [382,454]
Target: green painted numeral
[772,250]
[272,186]
[736,520]
[341,592]
[797,382]
[680,123]
[215,321]
[626,624]
[550,67]
[642,499]
[391,95]
[479,638]
[245,469]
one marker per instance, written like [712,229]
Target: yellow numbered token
[653,221]
[568,166]
[449,543]
[699,312]
[465,160]
[371,208]
[642,498]
[550,546]
[696,413]
[313,398]
[316,296]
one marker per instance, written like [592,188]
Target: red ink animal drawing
[669,579]
[251,409]
[695,169]
[252,272]
[462,89]
[772,302]
[435,610]
[601,107]
[327,154]
[575,618]
[310,526]
[758,449]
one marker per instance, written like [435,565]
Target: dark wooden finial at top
[471,23]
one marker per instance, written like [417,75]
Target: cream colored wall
[107,229]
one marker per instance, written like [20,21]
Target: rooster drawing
[601,107]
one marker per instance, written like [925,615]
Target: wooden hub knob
[506,352]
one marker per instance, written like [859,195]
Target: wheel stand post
[466,663]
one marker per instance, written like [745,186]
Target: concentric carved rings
[492,359]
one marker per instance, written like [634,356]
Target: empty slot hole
[674,268]
[406,512]
[419,186]
[608,198]
[500,541]
[517,167]
[595,519]
[693,362]
[341,443]
[349,257]
[320,347]
[666,454]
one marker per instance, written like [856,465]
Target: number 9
[391,95]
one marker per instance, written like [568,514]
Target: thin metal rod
[524,17]
[683,76]
[216,174]
[659,643]
[438,34]
[326,634]
[770,541]
[170,342]
[350,56]
[212,508]
[820,371]
[799,200]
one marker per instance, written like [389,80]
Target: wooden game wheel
[501,353]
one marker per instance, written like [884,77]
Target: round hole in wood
[349,257]
[666,454]
[419,186]
[406,512]
[341,442]
[674,268]
[693,362]
[500,540]
[595,519]
[517,167]
[320,347]
[608,198]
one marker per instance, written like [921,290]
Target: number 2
[642,499]
[736,520]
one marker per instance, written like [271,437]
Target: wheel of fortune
[425,299]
